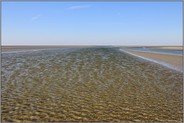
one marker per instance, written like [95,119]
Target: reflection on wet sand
[89,84]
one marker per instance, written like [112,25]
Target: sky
[92,23]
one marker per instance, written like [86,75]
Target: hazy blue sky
[92,23]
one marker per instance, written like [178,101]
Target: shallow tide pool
[88,84]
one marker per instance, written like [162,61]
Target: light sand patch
[174,61]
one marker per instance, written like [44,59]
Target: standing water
[88,84]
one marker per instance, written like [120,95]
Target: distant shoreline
[35,47]
[158,47]
[5,49]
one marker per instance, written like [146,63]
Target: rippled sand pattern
[89,84]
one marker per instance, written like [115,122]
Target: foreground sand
[175,61]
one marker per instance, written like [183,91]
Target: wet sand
[174,60]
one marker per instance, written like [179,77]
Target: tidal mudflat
[88,84]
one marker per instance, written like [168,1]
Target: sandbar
[175,61]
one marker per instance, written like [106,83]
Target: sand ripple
[89,84]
